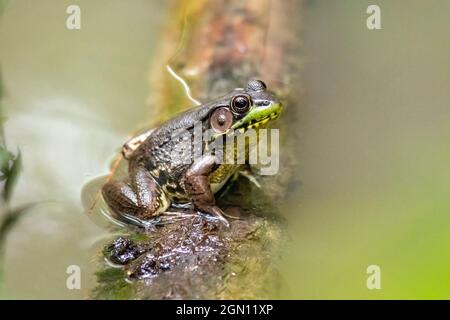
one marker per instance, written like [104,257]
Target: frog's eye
[240,104]
[221,120]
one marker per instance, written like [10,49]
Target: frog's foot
[186,205]
[216,212]
[141,198]
[199,189]
[174,216]
[247,173]
[190,206]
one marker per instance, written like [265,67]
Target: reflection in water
[94,205]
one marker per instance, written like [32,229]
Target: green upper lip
[259,114]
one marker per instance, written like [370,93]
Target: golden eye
[240,104]
[221,120]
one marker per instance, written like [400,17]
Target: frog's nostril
[262,103]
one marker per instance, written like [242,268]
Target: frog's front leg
[198,186]
[140,196]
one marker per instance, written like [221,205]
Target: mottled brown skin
[159,175]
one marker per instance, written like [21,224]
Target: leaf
[5,159]
[10,219]
[12,177]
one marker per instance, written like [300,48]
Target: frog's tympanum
[160,175]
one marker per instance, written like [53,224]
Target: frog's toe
[217,213]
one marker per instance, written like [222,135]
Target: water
[71,99]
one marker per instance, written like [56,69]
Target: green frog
[161,174]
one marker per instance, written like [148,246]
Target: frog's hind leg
[120,197]
[141,197]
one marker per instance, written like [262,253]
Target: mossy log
[216,47]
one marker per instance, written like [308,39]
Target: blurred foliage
[10,167]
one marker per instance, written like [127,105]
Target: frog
[160,177]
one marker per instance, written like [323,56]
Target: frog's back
[168,152]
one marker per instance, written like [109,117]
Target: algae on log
[222,45]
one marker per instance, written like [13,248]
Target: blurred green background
[373,158]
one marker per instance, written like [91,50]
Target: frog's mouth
[256,123]
[258,117]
